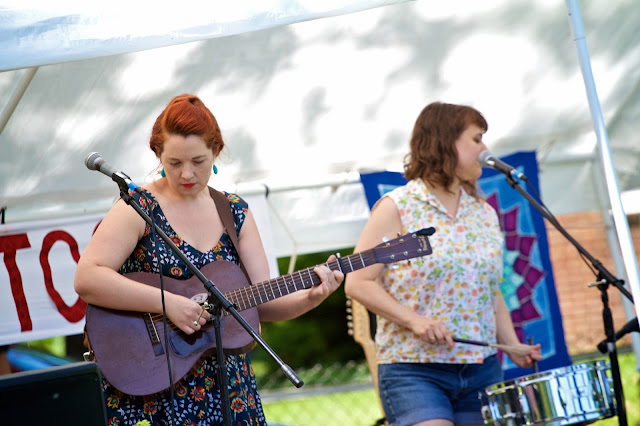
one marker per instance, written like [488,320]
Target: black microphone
[94,161]
[627,328]
[487,159]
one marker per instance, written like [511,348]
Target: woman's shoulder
[414,189]
[401,190]
[235,200]
[144,198]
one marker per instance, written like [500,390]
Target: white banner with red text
[39,258]
[37,299]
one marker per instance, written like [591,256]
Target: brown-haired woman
[424,377]
[186,139]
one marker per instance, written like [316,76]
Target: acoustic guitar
[129,347]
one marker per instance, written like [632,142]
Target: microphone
[627,328]
[94,161]
[487,159]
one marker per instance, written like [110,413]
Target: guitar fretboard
[265,291]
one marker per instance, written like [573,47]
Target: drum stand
[605,278]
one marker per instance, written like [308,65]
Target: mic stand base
[609,329]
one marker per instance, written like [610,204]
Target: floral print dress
[197,398]
[457,284]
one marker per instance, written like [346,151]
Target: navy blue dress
[197,396]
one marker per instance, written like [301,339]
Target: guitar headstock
[358,322]
[408,246]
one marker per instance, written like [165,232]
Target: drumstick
[535,363]
[518,350]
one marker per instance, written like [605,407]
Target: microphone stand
[605,278]
[221,302]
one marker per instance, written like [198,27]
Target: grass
[630,388]
[358,408]
[361,408]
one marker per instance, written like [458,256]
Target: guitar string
[266,289]
[241,298]
[281,283]
[363,259]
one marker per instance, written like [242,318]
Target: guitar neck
[405,247]
[257,294]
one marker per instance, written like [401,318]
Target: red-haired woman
[187,140]
[423,376]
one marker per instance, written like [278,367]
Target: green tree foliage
[319,336]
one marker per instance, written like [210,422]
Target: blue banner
[527,285]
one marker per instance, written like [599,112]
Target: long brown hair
[186,115]
[432,155]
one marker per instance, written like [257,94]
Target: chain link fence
[338,394]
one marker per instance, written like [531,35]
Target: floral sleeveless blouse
[197,398]
[457,284]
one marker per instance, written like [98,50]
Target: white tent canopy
[304,107]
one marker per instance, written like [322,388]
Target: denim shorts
[414,392]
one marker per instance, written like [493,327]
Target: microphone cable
[154,237]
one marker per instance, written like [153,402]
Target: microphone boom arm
[605,278]
[603,273]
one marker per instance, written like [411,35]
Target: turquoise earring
[215,169]
[162,173]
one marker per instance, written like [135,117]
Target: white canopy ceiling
[303,107]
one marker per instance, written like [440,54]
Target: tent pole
[619,218]
[598,183]
[16,96]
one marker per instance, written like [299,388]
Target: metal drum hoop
[576,394]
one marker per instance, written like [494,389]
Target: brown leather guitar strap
[224,210]
[226,215]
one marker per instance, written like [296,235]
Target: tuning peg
[385,239]
[350,331]
[349,317]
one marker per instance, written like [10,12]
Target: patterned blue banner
[527,285]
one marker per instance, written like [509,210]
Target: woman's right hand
[431,331]
[185,313]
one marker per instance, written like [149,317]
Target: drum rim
[495,396]
[598,364]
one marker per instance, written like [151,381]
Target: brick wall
[580,305]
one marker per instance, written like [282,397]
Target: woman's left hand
[331,280]
[525,355]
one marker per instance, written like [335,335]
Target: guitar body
[129,347]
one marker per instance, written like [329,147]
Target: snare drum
[580,393]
